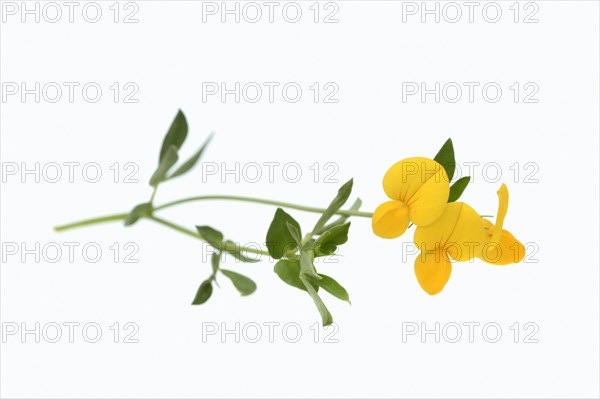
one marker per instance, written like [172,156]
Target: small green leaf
[138,212]
[445,157]
[296,235]
[190,163]
[342,219]
[326,317]
[328,242]
[215,261]
[307,267]
[279,238]
[237,252]
[289,272]
[203,293]
[333,287]
[210,235]
[458,187]
[243,284]
[175,136]
[166,163]
[339,200]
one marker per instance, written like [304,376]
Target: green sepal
[458,188]
[445,157]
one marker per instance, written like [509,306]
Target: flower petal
[502,209]
[459,231]
[390,219]
[421,183]
[468,238]
[433,269]
[508,250]
[429,201]
[404,178]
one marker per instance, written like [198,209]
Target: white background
[369,53]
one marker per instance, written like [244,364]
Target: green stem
[87,222]
[174,226]
[153,194]
[123,216]
[262,201]
[226,246]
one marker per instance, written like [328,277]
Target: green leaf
[296,235]
[279,238]
[333,287]
[237,252]
[210,235]
[175,136]
[204,292]
[458,187]
[445,157]
[307,267]
[166,163]
[342,219]
[138,212]
[328,242]
[190,163]
[243,284]
[339,200]
[215,261]
[289,272]
[326,317]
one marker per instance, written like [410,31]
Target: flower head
[461,234]
[418,188]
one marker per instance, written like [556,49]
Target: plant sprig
[295,253]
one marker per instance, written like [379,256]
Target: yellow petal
[502,209]
[508,250]
[459,231]
[433,269]
[390,219]
[422,184]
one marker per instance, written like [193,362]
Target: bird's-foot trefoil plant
[420,194]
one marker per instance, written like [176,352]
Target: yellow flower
[458,234]
[418,188]
[461,234]
[501,247]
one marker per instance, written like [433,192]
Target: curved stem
[261,201]
[174,226]
[153,194]
[123,216]
[191,233]
[87,222]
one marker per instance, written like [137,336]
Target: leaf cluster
[243,284]
[296,253]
